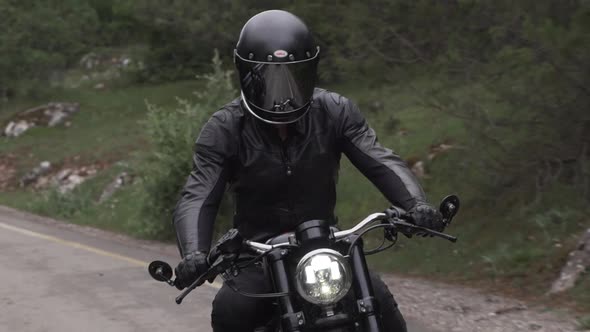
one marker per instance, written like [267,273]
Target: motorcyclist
[278,147]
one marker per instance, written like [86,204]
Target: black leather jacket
[277,184]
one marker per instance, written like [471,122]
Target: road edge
[441,305]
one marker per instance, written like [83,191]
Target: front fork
[294,321]
[366,303]
[291,321]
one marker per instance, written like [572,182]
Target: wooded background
[505,83]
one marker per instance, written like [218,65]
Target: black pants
[233,312]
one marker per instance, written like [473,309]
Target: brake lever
[400,222]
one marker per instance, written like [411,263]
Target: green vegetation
[584,323]
[107,128]
[505,83]
[172,134]
[28,44]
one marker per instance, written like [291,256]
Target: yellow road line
[78,245]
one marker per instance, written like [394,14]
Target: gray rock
[418,169]
[63,174]
[50,115]
[577,263]
[57,117]
[32,176]
[68,179]
[121,180]
[71,182]
[438,149]
[89,61]
[17,128]
[125,62]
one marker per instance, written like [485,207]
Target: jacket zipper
[289,172]
[286,160]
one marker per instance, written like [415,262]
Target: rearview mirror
[160,271]
[449,207]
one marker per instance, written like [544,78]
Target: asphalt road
[61,279]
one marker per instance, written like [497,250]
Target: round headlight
[323,276]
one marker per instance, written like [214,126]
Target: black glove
[425,215]
[190,268]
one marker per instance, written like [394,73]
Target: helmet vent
[291,57]
[269,57]
[250,56]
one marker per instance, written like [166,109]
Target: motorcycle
[313,269]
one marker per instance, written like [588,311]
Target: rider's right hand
[190,268]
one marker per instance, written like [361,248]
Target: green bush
[172,134]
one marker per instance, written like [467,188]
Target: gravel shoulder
[440,306]
[462,309]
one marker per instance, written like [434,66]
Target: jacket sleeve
[385,169]
[195,212]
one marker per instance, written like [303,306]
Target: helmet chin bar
[265,120]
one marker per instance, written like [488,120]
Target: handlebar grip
[395,212]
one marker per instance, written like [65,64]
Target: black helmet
[277,62]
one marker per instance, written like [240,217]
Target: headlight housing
[323,276]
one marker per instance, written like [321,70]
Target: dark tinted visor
[278,87]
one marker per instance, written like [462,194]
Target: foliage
[180,37]
[172,135]
[363,49]
[107,133]
[40,38]
[505,82]
[526,108]
[104,131]
[119,24]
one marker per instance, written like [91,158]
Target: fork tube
[289,318]
[363,287]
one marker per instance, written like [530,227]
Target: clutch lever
[399,222]
[216,269]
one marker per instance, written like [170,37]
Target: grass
[402,106]
[106,129]
[510,244]
[584,323]
[507,244]
[81,206]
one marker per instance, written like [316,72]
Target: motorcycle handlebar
[373,217]
[393,217]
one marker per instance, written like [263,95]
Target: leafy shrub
[172,134]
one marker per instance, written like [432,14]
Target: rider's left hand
[425,215]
